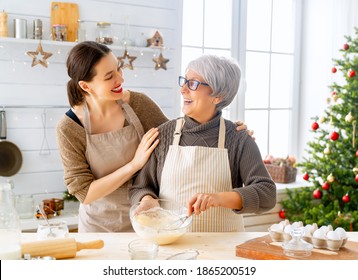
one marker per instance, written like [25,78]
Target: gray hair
[221,73]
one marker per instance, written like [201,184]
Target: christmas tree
[331,166]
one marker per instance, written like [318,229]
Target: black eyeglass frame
[194,86]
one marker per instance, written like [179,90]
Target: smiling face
[198,104]
[107,83]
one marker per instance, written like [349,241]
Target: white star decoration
[36,59]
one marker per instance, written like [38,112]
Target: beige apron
[106,152]
[194,169]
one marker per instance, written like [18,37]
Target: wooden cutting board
[262,248]
[66,13]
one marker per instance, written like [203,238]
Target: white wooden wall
[24,90]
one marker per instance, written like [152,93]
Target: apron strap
[132,118]
[179,126]
[221,141]
[177,133]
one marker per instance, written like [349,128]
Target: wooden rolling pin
[62,248]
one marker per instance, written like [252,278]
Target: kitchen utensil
[50,234]
[56,229]
[63,248]
[10,154]
[45,147]
[66,14]
[177,223]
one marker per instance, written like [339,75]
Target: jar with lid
[104,33]
[10,229]
[59,32]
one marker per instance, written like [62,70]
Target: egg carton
[321,238]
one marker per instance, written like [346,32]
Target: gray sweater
[248,173]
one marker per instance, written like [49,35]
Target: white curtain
[344,19]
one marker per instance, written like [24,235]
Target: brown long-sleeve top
[71,141]
[248,173]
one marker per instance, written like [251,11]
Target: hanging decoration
[161,62]
[156,40]
[126,60]
[35,56]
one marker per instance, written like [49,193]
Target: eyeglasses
[192,84]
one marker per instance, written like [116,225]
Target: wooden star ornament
[126,60]
[160,62]
[35,56]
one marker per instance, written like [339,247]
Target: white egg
[333,235]
[307,231]
[341,232]
[277,227]
[297,224]
[326,229]
[320,233]
[314,228]
[285,222]
[288,229]
[309,227]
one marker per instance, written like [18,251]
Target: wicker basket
[282,174]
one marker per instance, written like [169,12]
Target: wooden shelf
[9,40]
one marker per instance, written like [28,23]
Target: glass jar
[25,206]
[10,229]
[81,31]
[59,32]
[104,33]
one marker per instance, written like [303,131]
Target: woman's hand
[145,204]
[242,126]
[145,148]
[201,202]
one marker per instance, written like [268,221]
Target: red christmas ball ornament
[325,186]
[334,135]
[315,125]
[346,198]
[345,46]
[334,70]
[282,214]
[357,178]
[356,153]
[333,93]
[305,176]
[317,193]
[351,73]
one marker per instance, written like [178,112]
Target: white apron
[105,153]
[194,169]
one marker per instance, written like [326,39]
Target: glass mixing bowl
[152,220]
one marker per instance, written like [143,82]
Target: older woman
[201,161]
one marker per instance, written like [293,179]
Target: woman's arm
[109,183]
[78,177]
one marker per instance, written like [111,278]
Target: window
[261,35]
[269,73]
[207,28]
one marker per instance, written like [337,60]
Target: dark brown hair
[81,62]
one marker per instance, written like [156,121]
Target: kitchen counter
[211,246]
